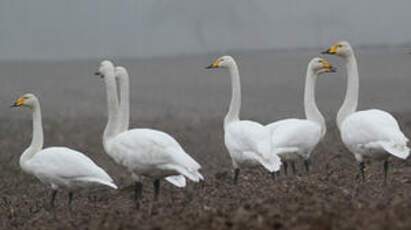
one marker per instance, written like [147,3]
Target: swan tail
[110,184]
[99,181]
[193,175]
[399,150]
[272,164]
[197,174]
[185,160]
[178,181]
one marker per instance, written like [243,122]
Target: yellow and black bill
[215,65]
[19,102]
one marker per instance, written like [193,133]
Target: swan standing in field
[248,142]
[122,76]
[373,133]
[144,152]
[57,166]
[296,138]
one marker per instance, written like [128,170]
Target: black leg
[285,168]
[307,166]
[70,198]
[293,168]
[138,190]
[273,175]
[362,167]
[156,189]
[53,197]
[236,173]
[202,183]
[385,171]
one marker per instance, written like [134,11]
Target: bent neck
[351,95]
[235,104]
[37,139]
[111,129]
[312,112]
[124,115]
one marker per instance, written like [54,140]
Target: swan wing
[252,139]
[143,146]
[148,148]
[372,129]
[274,125]
[295,134]
[248,136]
[178,181]
[65,165]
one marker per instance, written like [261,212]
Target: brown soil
[330,198]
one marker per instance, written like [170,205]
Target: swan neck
[37,139]
[350,103]
[311,110]
[235,104]
[124,102]
[111,129]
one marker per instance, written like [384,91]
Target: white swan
[57,166]
[296,138]
[248,142]
[370,133]
[144,152]
[122,76]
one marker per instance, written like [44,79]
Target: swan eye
[339,45]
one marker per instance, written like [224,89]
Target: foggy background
[52,48]
[49,29]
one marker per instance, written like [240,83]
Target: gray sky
[49,29]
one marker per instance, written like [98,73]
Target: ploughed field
[179,97]
[330,197]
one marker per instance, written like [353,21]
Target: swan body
[59,167]
[154,154]
[121,75]
[296,138]
[248,142]
[144,152]
[66,168]
[373,134]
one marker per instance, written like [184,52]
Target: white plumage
[66,168]
[144,152]
[373,134]
[248,142]
[296,138]
[152,153]
[59,167]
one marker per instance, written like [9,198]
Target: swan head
[120,71]
[27,100]
[341,49]
[222,62]
[104,67]
[319,65]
